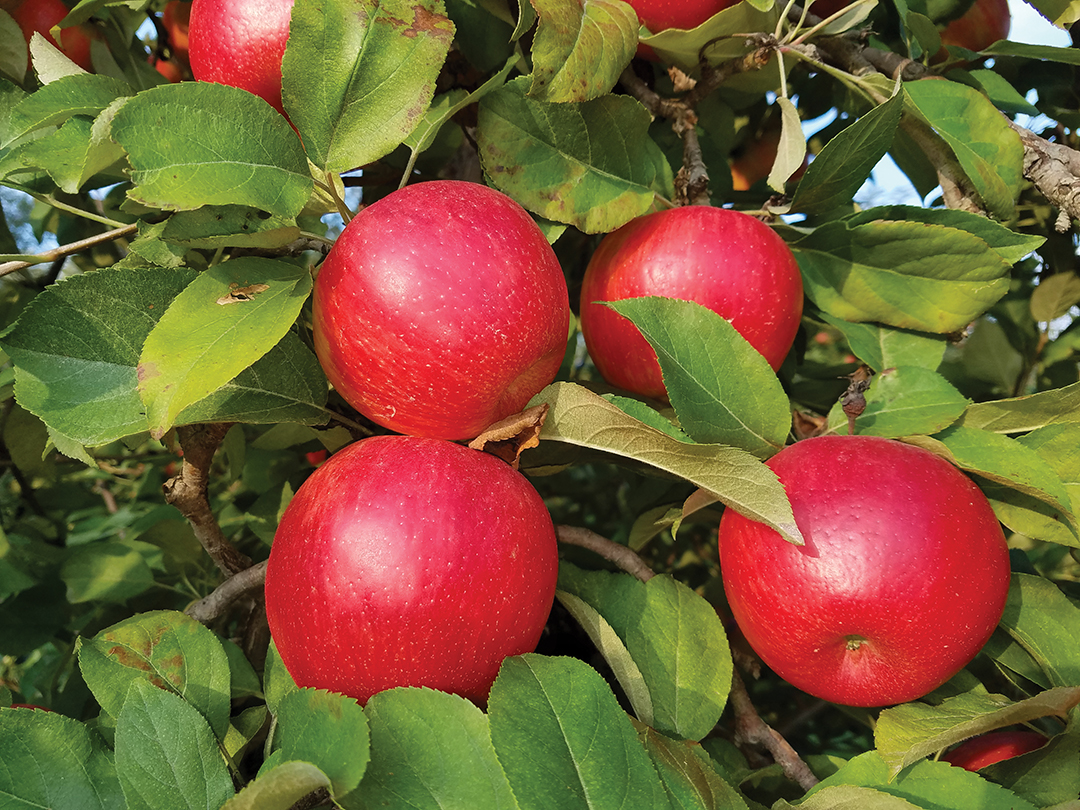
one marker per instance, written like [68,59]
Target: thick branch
[1054,169]
[750,729]
[228,593]
[625,558]
[187,491]
[68,249]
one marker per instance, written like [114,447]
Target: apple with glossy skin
[40,16]
[980,26]
[994,746]
[240,43]
[405,561]
[903,577]
[725,260]
[440,310]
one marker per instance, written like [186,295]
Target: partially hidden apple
[992,747]
[240,43]
[754,159]
[722,259]
[39,16]
[440,310]
[983,24]
[902,579]
[660,15]
[404,561]
[176,20]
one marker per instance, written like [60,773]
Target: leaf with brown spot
[358,75]
[169,650]
[510,437]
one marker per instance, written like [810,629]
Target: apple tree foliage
[161,401]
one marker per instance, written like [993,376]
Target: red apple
[981,26]
[405,561]
[169,69]
[994,746]
[32,706]
[440,310]
[725,260]
[659,15]
[40,16]
[902,579]
[240,43]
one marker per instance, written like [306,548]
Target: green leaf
[327,729]
[358,75]
[905,734]
[591,164]
[581,418]
[904,401]
[1003,461]
[580,49]
[1046,624]
[167,649]
[1055,296]
[84,94]
[76,347]
[720,386]
[1023,513]
[279,788]
[848,797]
[1010,245]
[882,347]
[107,572]
[70,155]
[563,740]
[989,151]
[689,776]
[214,226]
[12,52]
[198,143]
[924,784]
[430,750]
[1026,413]
[911,275]
[277,682]
[86,388]
[1001,92]
[166,754]
[675,640]
[844,163]
[222,322]
[49,760]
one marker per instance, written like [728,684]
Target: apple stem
[625,558]
[750,729]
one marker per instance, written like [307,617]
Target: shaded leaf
[717,39]
[83,94]
[358,75]
[1055,296]
[675,640]
[590,164]
[882,347]
[1022,414]
[326,729]
[430,750]
[166,754]
[279,787]
[580,49]
[591,757]
[1045,623]
[49,760]
[689,776]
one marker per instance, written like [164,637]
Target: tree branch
[225,595]
[187,491]
[67,250]
[750,729]
[624,557]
